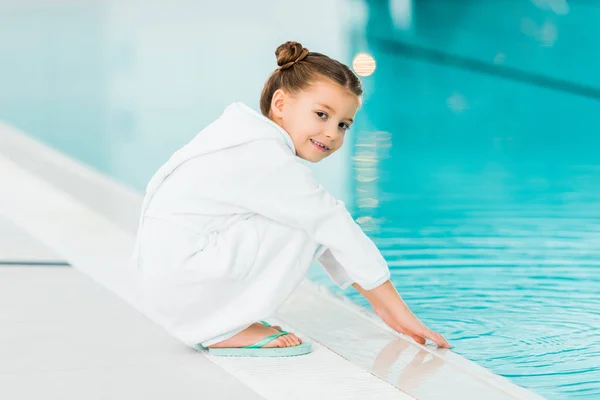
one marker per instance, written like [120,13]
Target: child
[231,223]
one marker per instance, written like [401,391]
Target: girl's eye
[344,126]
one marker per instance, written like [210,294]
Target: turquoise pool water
[474,164]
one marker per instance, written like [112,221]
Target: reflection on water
[422,365]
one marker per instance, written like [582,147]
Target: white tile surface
[103,194]
[86,239]
[17,246]
[65,337]
[321,374]
[185,380]
[62,286]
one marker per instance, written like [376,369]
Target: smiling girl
[232,222]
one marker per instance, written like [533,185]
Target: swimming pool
[486,198]
[473,164]
[509,274]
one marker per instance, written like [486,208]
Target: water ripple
[512,279]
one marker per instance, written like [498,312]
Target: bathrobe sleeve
[287,192]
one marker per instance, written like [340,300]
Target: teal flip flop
[256,350]
[265,323]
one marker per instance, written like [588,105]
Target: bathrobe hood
[238,125]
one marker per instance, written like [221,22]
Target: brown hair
[298,68]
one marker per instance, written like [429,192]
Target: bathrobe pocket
[171,251]
[229,253]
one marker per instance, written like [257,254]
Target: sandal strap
[265,323]
[264,341]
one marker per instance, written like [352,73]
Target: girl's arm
[390,307]
[284,190]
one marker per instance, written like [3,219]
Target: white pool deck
[70,330]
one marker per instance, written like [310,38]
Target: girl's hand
[404,321]
[390,307]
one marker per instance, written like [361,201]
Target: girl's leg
[281,262]
[222,308]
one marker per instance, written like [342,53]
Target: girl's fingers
[438,339]
[418,339]
[427,334]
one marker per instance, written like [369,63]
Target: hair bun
[290,53]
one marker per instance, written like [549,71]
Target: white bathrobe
[230,225]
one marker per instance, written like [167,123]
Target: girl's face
[316,118]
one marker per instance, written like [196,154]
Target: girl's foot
[257,332]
